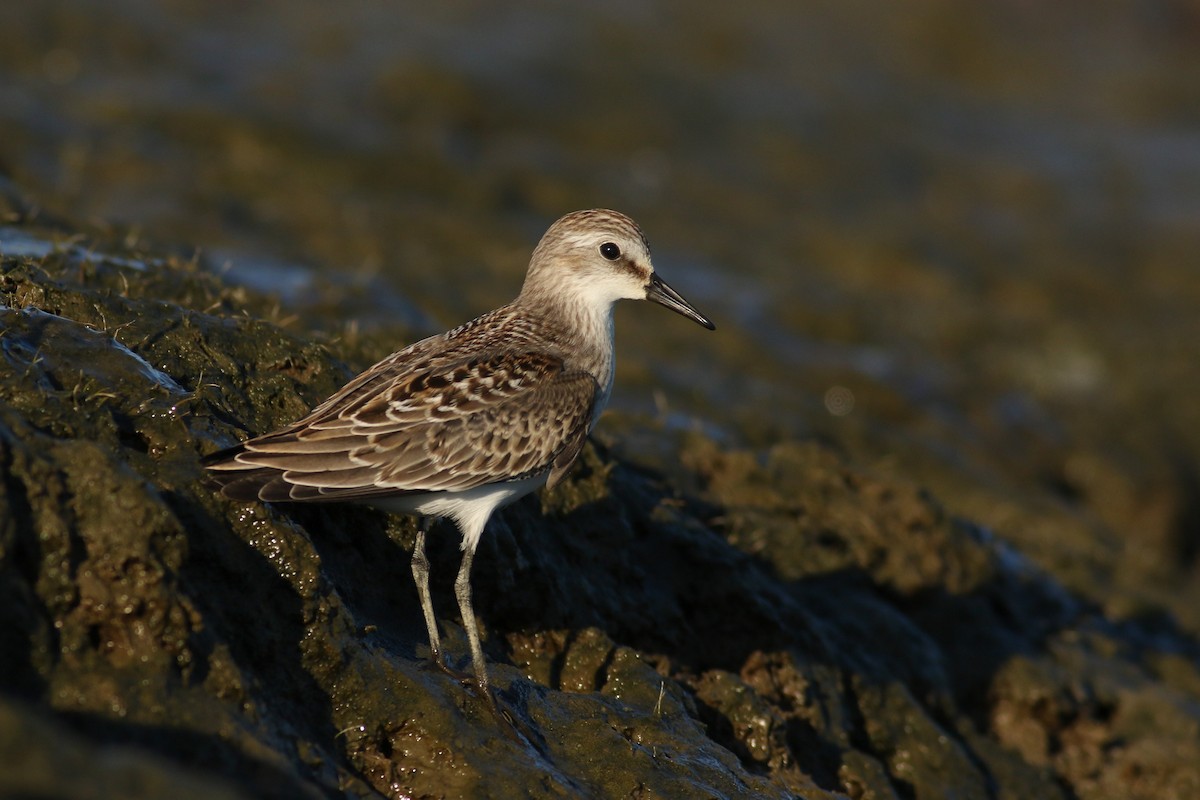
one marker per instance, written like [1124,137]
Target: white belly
[470,510]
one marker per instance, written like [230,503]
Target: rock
[792,626]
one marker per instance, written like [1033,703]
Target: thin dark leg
[420,571]
[462,590]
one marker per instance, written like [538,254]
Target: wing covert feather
[442,425]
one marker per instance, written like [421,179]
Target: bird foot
[509,723]
[438,663]
[484,692]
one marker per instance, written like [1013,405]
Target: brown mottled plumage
[464,422]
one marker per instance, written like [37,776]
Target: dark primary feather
[434,417]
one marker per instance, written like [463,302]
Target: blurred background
[955,241]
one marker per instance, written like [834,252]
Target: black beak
[661,293]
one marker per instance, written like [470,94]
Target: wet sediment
[772,623]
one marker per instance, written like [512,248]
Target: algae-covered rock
[791,627]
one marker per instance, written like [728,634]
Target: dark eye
[610,251]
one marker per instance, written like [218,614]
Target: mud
[957,240]
[766,623]
[921,517]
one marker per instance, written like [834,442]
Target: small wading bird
[462,423]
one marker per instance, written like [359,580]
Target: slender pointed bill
[661,293]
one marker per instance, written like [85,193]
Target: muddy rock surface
[769,623]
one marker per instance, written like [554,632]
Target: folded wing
[434,425]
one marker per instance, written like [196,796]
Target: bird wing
[423,424]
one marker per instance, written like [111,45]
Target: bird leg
[420,571]
[462,590]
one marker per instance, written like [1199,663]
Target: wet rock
[793,626]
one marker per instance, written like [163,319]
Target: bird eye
[610,251]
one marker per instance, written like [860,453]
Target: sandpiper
[462,423]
